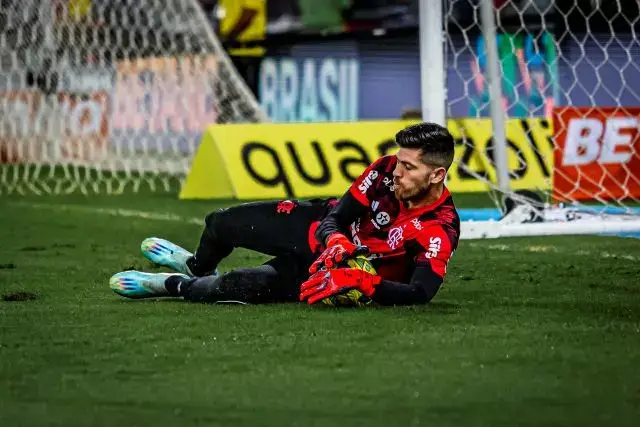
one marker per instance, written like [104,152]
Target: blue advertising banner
[364,80]
[309,89]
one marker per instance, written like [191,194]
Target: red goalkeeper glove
[325,284]
[339,249]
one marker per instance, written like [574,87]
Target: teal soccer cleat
[165,253]
[138,285]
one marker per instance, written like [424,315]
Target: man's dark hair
[434,140]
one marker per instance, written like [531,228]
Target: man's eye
[408,166]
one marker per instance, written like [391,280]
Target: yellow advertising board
[267,161]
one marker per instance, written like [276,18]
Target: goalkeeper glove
[339,281]
[339,249]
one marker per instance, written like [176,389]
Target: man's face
[412,177]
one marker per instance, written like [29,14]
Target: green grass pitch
[528,332]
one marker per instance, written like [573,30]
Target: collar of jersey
[445,194]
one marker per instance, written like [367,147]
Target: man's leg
[272,228]
[278,280]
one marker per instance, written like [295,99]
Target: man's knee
[217,220]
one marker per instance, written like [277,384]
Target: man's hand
[324,284]
[339,249]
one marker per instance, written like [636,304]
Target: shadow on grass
[440,308]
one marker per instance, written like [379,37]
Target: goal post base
[472,230]
[526,221]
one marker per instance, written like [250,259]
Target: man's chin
[408,196]
[402,195]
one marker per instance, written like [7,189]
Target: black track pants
[280,229]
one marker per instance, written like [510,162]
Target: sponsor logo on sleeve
[434,247]
[368,181]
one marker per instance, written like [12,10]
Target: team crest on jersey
[395,237]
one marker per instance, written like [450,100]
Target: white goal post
[570,68]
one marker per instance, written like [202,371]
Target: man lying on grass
[398,212]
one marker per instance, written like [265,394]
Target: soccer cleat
[138,285]
[165,253]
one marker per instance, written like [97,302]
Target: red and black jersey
[406,245]
[400,238]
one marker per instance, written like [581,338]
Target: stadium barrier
[271,161]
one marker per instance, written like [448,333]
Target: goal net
[105,95]
[568,102]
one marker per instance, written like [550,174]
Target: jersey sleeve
[338,219]
[364,186]
[434,250]
[431,252]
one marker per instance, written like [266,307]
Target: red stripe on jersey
[359,196]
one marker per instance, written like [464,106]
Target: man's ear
[438,175]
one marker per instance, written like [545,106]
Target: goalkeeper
[398,212]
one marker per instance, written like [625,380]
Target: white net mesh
[104,95]
[570,74]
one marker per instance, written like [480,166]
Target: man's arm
[423,286]
[353,204]
[433,252]
[338,220]
[430,268]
